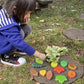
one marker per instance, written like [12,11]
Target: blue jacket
[10,35]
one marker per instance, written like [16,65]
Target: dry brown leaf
[6,66]
[77,55]
[42,20]
[41,38]
[0,78]
[37,83]
[33,42]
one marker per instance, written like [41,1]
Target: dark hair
[22,6]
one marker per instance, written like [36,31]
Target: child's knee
[27,29]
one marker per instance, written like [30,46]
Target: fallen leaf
[37,17]
[33,42]
[0,78]
[77,55]
[5,65]
[41,21]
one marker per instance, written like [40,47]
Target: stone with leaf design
[61,79]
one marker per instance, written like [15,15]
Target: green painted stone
[63,63]
[38,61]
[35,65]
[61,79]
[54,64]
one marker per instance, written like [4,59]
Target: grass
[48,25]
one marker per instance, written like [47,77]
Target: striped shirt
[10,36]
[4,18]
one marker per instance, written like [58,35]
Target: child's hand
[39,55]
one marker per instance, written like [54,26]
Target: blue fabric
[11,37]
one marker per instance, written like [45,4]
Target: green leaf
[53,53]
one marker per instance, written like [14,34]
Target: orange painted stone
[33,72]
[59,69]
[49,75]
[71,74]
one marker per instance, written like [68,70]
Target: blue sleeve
[14,36]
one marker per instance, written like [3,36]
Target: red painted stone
[49,75]
[33,72]
[58,69]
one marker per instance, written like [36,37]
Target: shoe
[20,52]
[12,60]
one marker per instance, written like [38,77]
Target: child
[13,29]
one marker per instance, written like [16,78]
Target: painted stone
[59,69]
[63,63]
[38,61]
[42,72]
[54,64]
[61,79]
[71,74]
[33,72]
[72,66]
[35,65]
[49,75]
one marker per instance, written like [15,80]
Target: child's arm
[39,55]
[14,39]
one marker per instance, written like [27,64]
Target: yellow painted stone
[42,72]
[54,64]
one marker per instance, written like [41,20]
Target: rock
[49,75]
[59,69]
[63,63]
[72,66]
[38,61]
[61,79]
[42,72]
[35,65]
[54,64]
[74,33]
[33,72]
[71,74]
